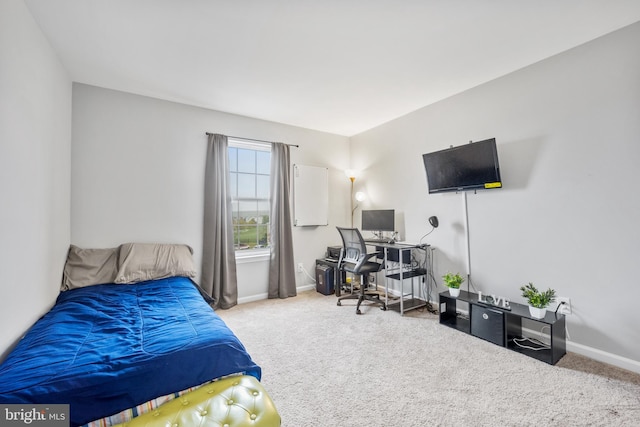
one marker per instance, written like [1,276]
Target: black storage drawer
[488,323]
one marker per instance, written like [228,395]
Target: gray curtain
[282,282]
[219,277]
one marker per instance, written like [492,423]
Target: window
[249,169]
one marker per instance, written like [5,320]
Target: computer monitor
[378,220]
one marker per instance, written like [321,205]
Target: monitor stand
[379,237]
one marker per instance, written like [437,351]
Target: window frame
[249,255]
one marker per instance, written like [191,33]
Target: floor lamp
[359,196]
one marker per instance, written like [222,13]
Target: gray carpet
[325,366]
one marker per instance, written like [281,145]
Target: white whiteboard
[310,195]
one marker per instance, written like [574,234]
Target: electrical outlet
[566,307]
[300,267]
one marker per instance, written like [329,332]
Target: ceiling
[339,66]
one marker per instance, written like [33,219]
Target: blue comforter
[106,348]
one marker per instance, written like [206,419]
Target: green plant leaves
[453,280]
[536,298]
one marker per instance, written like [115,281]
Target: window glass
[263,162]
[246,161]
[262,187]
[233,184]
[246,186]
[233,159]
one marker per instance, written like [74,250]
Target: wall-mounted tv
[466,167]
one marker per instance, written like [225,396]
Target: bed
[107,348]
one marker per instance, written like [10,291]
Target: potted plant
[538,301]
[453,282]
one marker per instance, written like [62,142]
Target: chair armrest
[370,254]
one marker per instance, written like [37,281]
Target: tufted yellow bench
[231,402]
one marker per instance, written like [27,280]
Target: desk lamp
[433,220]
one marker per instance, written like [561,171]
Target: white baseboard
[605,357]
[252,298]
[258,297]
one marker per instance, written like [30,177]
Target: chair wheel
[358,311]
[339,304]
[383,308]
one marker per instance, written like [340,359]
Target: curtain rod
[251,139]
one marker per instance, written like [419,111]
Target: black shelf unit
[398,266]
[407,304]
[451,314]
[502,326]
[556,324]
[408,274]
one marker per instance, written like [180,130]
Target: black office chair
[355,259]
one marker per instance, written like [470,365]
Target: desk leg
[386,280]
[401,262]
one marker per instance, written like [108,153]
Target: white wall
[567,218]
[35,140]
[567,130]
[138,175]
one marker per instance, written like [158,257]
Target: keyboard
[378,241]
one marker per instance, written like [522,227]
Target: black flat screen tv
[378,220]
[467,167]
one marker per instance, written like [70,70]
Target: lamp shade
[352,174]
